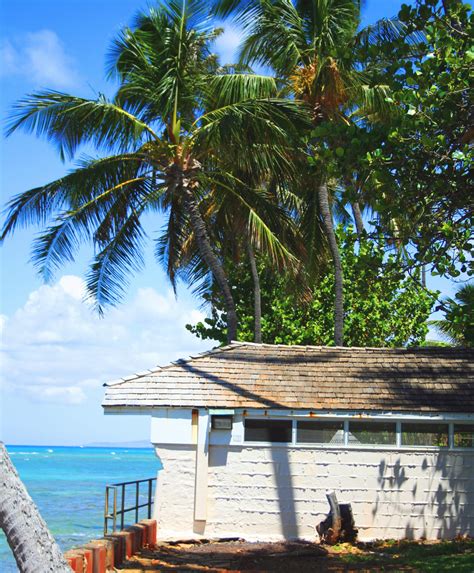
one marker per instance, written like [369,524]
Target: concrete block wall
[271,493]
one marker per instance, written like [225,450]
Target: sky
[56,353]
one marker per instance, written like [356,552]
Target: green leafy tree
[384,307]
[312,46]
[458,324]
[177,129]
[423,163]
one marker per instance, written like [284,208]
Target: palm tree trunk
[257,295]
[323,198]
[211,260]
[32,544]
[357,213]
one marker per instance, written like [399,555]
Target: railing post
[150,482]
[106,510]
[137,500]
[122,513]
[115,509]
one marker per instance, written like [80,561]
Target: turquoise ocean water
[68,485]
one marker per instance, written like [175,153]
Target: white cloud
[39,57]
[55,349]
[8,58]
[57,394]
[227,43]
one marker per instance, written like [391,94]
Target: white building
[251,436]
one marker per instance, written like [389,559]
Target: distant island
[137,444]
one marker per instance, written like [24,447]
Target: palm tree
[178,128]
[458,323]
[27,534]
[311,46]
[231,221]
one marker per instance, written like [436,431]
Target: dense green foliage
[384,308]
[424,162]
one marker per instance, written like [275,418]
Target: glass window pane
[267,430]
[464,435]
[377,433]
[320,432]
[419,434]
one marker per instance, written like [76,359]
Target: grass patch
[443,557]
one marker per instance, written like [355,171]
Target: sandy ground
[239,556]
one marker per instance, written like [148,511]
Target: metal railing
[112,511]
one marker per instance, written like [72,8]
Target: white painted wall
[279,492]
[273,492]
[171,426]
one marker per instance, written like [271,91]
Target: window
[320,432]
[221,422]
[420,434]
[372,433]
[464,435]
[360,432]
[268,430]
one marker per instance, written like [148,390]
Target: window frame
[373,421]
[263,443]
[316,421]
[428,423]
[397,446]
[452,432]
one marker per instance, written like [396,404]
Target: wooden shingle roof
[245,375]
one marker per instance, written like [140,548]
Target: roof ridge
[216,350]
[131,377]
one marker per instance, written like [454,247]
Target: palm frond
[329,24]
[34,206]
[90,179]
[58,245]
[225,8]
[309,222]
[98,217]
[109,273]
[372,102]
[263,219]
[387,30]
[170,244]
[162,60]
[69,121]
[228,89]
[274,35]
[272,126]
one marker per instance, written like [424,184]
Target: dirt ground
[304,557]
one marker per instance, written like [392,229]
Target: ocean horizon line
[81,446]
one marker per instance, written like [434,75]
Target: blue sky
[56,352]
